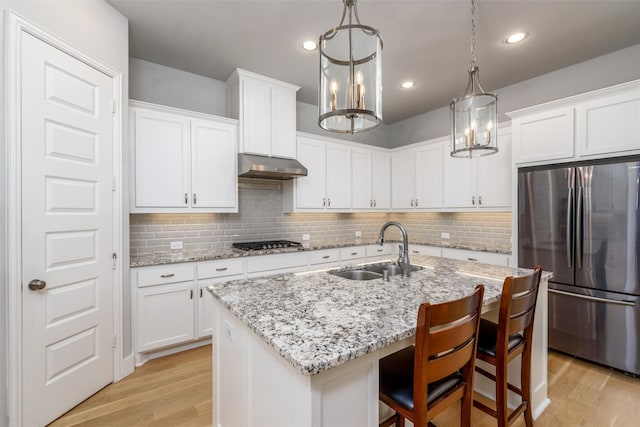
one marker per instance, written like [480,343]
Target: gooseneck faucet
[403,252]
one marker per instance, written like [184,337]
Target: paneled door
[67,231]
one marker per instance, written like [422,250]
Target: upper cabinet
[417,177]
[182,161]
[370,179]
[327,185]
[480,182]
[266,110]
[597,124]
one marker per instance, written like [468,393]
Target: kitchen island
[303,349]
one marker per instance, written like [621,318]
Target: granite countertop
[195,255]
[317,321]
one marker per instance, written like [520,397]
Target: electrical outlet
[176,245]
[228,330]
[358,233]
[306,237]
[444,235]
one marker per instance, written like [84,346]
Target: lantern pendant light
[474,114]
[350,89]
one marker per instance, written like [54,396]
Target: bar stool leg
[525,383]
[501,397]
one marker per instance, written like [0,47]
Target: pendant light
[350,89]
[474,114]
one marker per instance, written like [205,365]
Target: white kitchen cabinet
[165,315]
[609,125]
[417,176]
[266,109]
[424,250]
[182,161]
[543,136]
[481,182]
[324,256]
[327,185]
[371,179]
[476,256]
[599,124]
[353,253]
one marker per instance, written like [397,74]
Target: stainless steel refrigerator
[582,222]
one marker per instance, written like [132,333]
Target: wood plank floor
[176,391]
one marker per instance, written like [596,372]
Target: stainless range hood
[255,166]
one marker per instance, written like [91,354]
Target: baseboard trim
[142,358]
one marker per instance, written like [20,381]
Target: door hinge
[115,184]
[115,260]
[114,341]
[114,106]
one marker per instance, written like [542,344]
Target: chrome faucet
[403,250]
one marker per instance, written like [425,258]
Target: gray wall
[606,70]
[97,29]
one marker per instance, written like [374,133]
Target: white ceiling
[424,40]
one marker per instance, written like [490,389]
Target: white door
[494,175]
[214,179]
[67,231]
[460,185]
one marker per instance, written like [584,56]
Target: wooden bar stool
[420,381]
[500,344]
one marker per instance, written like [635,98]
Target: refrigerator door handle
[570,224]
[595,299]
[579,232]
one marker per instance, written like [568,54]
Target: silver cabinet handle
[200,292]
[324,201]
[375,203]
[479,200]
[354,253]
[473,200]
[221,269]
[37,284]
[191,294]
[186,198]
[329,201]
[165,276]
[194,198]
[380,250]
[416,203]
[594,299]
[416,252]
[326,257]
[472,259]
[411,202]
[370,203]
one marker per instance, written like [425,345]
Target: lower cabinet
[165,315]
[476,256]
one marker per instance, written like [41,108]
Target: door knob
[37,284]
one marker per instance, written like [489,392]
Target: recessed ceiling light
[408,84]
[515,38]
[309,45]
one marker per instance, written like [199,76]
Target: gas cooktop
[267,244]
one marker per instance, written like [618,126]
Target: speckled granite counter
[317,321]
[195,255]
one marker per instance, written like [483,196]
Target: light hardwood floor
[176,391]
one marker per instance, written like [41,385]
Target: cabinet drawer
[377,250]
[276,262]
[321,257]
[425,250]
[476,256]
[352,253]
[163,274]
[227,267]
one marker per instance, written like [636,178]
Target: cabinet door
[204,325]
[460,185]
[338,176]
[494,175]
[256,117]
[429,176]
[213,165]
[161,152]
[361,179]
[283,125]
[381,180]
[609,125]
[310,189]
[165,315]
[543,136]
[402,180]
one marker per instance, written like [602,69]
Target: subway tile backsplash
[260,217]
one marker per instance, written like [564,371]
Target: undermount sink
[371,271]
[357,274]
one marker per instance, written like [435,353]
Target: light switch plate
[176,245]
[306,237]
[358,233]
[444,235]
